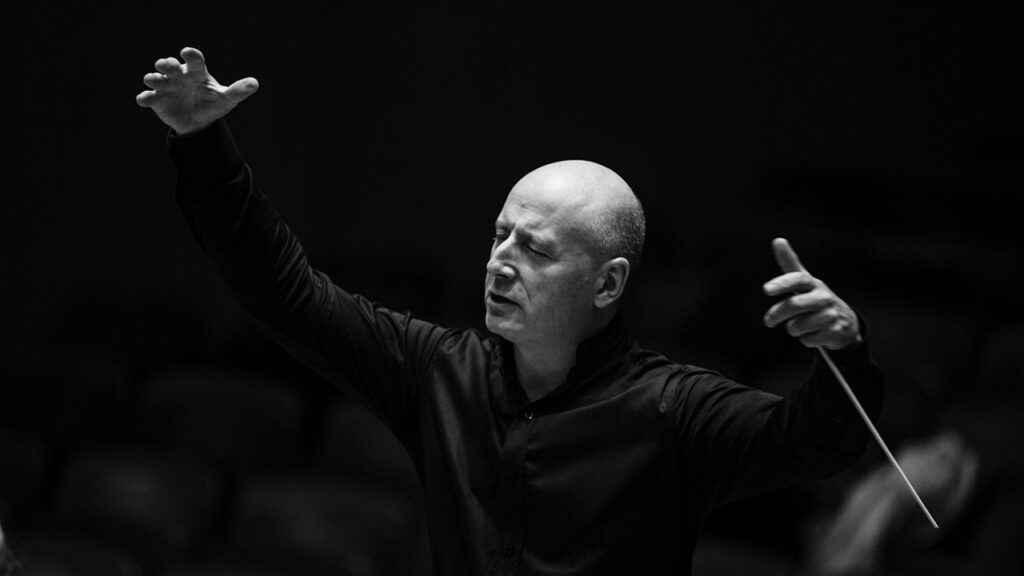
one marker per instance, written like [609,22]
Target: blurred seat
[236,418]
[355,446]
[156,505]
[318,524]
[925,354]
[67,397]
[988,407]
[141,330]
[727,557]
[878,522]
[353,443]
[65,554]
[219,567]
[1000,370]
[925,345]
[24,467]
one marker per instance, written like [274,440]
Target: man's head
[565,242]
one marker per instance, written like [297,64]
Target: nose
[498,265]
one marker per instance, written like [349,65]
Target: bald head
[610,218]
[564,243]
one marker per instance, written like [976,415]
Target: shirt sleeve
[376,355]
[736,441]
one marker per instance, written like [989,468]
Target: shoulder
[467,348]
[680,384]
[656,367]
[464,339]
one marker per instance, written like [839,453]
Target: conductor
[554,444]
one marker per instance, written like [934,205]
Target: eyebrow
[544,244]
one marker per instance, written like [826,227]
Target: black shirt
[611,473]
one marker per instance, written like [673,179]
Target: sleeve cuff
[204,159]
[853,361]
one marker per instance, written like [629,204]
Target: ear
[611,282]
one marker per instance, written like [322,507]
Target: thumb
[786,257]
[242,89]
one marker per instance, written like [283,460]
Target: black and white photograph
[512,288]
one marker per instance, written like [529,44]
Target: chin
[502,327]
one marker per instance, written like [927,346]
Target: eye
[533,250]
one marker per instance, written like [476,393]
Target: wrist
[185,132]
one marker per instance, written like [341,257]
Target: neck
[541,369]
[543,366]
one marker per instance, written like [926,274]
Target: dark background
[390,133]
[882,140]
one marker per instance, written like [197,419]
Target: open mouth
[498,299]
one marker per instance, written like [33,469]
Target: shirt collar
[605,350]
[607,347]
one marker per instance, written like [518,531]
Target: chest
[580,457]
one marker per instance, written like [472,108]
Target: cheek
[562,297]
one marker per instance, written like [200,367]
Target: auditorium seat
[923,345]
[141,330]
[54,553]
[66,397]
[218,567]
[156,505]
[25,462]
[320,524]
[1000,371]
[925,354]
[353,443]
[727,557]
[237,418]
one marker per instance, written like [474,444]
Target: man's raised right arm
[229,216]
[374,354]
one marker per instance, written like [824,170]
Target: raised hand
[810,310]
[186,97]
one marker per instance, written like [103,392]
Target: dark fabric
[612,473]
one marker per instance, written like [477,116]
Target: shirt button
[510,550]
[528,415]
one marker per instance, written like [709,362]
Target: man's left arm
[821,420]
[752,441]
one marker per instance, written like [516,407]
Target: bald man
[555,444]
[556,271]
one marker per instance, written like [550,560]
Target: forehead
[552,205]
